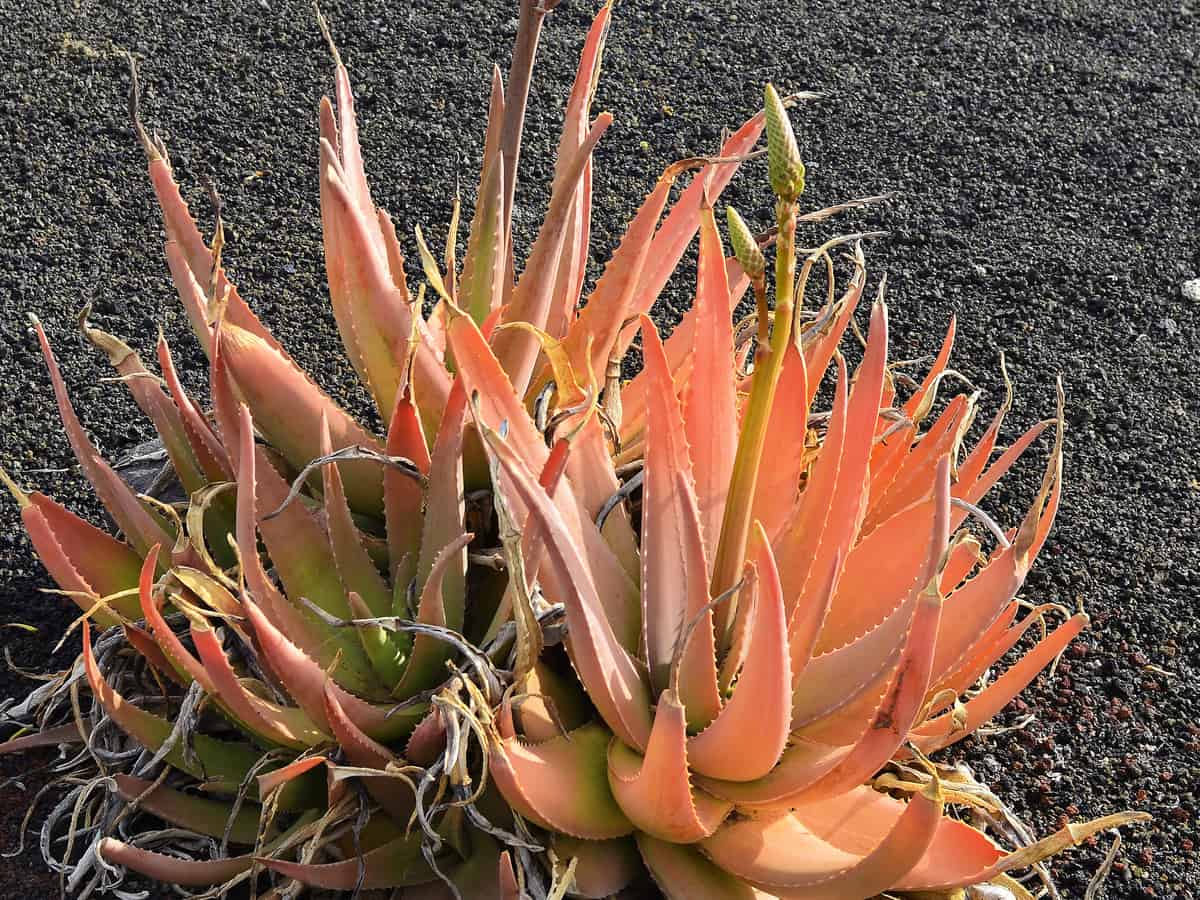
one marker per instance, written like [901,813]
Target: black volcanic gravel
[1047,159]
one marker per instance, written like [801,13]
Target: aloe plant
[550,631]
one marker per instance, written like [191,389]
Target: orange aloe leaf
[761,701]
[288,407]
[305,681]
[787,433]
[591,340]
[213,672]
[165,869]
[917,406]
[974,489]
[220,765]
[561,784]
[980,600]
[484,379]
[590,471]
[533,296]
[909,483]
[445,511]
[801,765]
[426,665]
[403,496]
[143,642]
[832,506]
[674,569]
[205,444]
[962,856]
[655,790]
[398,863]
[153,402]
[51,737]
[142,529]
[602,868]
[394,795]
[943,731]
[191,250]
[357,571]
[82,559]
[612,677]
[373,313]
[682,222]
[683,873]
[198,814]
[904,699]
[710,406]
[287,726]
[485,263]
[554,257]
[299,549]
[781,855]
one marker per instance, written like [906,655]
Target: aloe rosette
[547,630]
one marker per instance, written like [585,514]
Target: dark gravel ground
[1046,158]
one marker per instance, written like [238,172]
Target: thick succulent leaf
[611,676]
[761,701]
[165,869]
[832,505]
[392,794]
[945,730]
[445,511]
[221,766]
[602,868]
[485,264]
[980,600]
[305,681]
[372,311]
[683,873]
[198,814]
[674,568]
[556,247]
[283,725]
[879,572]
[787,432]
[802,764]
[206,446]
[591,341]
[779,853]
[484,379]
[902,703]
[358,573]
[51,737]
[682,222]
[190,249]
[974,489]
[398,863]
[154,403]
[288,407]
[561,784]
[655,791]
[403,497]
[426,666]
[142,529]
[534,294]
[960,858]
[909,483]
[590,471]
[300,552]
[710,407]
[83,560]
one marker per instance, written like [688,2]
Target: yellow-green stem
[735,527]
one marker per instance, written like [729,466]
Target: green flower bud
[784,165]
[745,247]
